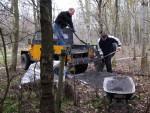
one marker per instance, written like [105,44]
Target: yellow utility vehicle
[78,57]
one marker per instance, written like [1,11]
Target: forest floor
[90,96]
[93,99]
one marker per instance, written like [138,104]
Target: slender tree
[15,35]
[2,99]
[116,17]
[82,9]
[46,61]
[99,7]
[144,5]
[35,14]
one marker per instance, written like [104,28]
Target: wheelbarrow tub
[119,87]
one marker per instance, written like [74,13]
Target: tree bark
[60,85]
[15,35]
[46,61]
[7,73]
[100,23]
[116,18]
[144,36]
[35,15]
[82,9]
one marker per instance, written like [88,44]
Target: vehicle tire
[25,61]
[81,68]
[99,65]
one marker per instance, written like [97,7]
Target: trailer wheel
[25,61]
[81,68]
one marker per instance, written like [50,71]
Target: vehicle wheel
[81,68]
[99,65]
[25,61]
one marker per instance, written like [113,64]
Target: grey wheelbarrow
[119,87]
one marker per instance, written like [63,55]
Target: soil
[89,93]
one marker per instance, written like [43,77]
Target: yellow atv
[78,56]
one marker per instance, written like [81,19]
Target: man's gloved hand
[73,31]
[71,28]
[118,49]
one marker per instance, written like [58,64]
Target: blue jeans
[59,34]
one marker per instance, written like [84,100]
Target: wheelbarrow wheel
[81,68]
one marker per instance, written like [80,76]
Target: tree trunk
[116,18]
[144,36]
[7,73]
[88,20]
[1,109]
[35,15]
[46,61]
[99,4]
[82,9]
[15,36]
[129,35]
[60,85]
[88,8]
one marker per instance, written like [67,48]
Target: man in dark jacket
[109,45]
[63,20]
